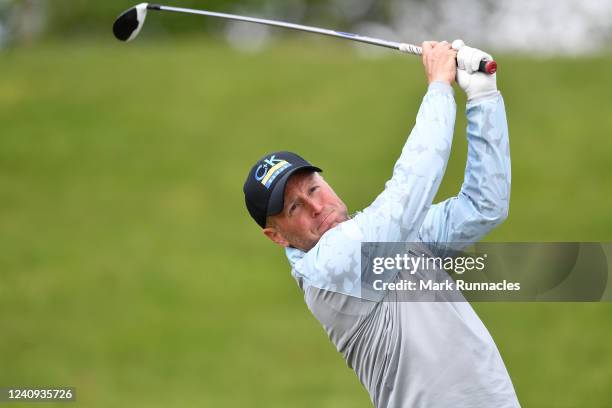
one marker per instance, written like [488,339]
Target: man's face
[311,208]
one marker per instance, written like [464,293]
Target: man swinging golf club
[406,354]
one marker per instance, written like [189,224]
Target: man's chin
[331,224]
[332,221]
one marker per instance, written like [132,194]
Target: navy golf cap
[264,188]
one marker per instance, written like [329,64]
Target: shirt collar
[294,255]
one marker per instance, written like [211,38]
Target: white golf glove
[475,84]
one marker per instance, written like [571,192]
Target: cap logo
[269,170]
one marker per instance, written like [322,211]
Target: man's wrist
[440,86]
[483,96]
[440,79]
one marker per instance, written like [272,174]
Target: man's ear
[273,234]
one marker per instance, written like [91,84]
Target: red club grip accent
[488,67]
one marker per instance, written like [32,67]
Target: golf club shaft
[408,48]
[488,67]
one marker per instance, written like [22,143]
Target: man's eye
[313,189]
[292,208]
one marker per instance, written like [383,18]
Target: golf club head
[128,24]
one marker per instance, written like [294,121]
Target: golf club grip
[485,66]
[488,67]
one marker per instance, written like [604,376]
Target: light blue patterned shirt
[418,354]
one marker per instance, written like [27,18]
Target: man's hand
[439,60]
[475,84]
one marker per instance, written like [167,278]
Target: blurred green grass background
[130,269]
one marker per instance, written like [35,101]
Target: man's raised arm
[397,213]
[483,201]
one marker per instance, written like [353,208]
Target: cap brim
[277,198]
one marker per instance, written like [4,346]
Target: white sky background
[536,27]
[566,27]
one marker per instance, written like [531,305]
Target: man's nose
[315,207]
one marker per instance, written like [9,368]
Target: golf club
[129,23]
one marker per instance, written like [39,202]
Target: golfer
[406,354]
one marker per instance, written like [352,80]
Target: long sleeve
[398,212]
[434,354]
[483,201]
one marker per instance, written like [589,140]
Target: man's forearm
[400,209]
[487,174]
[484,198]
